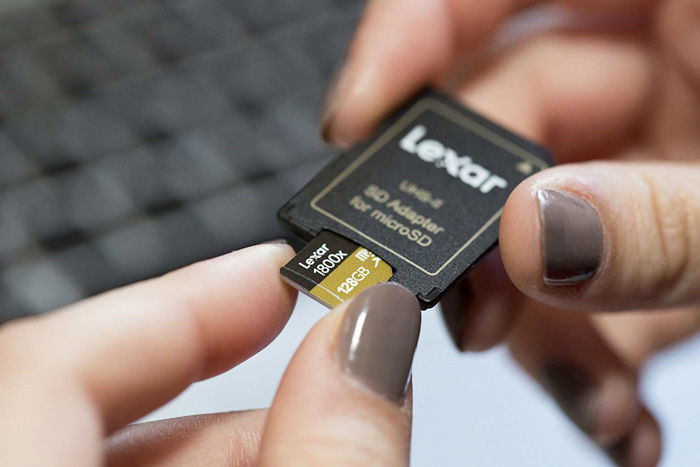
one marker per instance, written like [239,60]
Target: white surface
[477,410]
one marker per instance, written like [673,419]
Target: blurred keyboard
[137,136]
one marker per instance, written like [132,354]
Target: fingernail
[572,238]
[277,241]
[453,308]
[573,391]
[378,337]
[331,105]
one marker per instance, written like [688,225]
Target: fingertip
[453,308]
[343,122]
[642,447]
[263,262]
[344,395]
[248,304]
[480,310]
[647,444]
[280,251]
[519,238]
[390,60]
[617,409]
[552,236]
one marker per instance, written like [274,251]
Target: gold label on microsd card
[332,269]
[361,270]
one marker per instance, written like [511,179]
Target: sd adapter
[418,204]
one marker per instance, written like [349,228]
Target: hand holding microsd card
[418,204]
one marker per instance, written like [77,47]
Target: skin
[626,93]
[103,363]
[615,94]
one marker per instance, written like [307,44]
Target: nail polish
[378,337]
[572,238]
[573,391]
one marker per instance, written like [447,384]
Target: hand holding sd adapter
[622,86]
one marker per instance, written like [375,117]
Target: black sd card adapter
[418,204]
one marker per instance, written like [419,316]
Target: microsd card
[425,194]
[332,269]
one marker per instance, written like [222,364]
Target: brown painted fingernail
[572,238]
[573,391]
[378,337]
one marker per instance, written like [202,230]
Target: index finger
[402,46]
[104,362]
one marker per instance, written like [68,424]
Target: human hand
[72,378]
[620,83]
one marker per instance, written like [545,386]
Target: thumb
[343,398]
[607,236]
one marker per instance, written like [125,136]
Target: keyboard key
[74,13]
[224,214]
[128,56]
[92,199]
[60,240]
[184,238]
[59,138]
[15,166]
[326,41]
[38,207]
[264,16]
[40,285]
[158,105]
[41,135]
[13,232]
[25,83]
[78,64]
[9,308]
[120,7]
[210,18]
[135,250]
[27,23]
[138,173]
[253,205]
[291,129]
[240,144]
[169,35]
[192,165]
[251,77]
[89,268]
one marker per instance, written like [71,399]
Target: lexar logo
[462,167]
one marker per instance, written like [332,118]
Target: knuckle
[322,451]
[667,229]
[383,441]
[325,450]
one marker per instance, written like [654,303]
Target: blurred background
[140,135]
[137,136]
